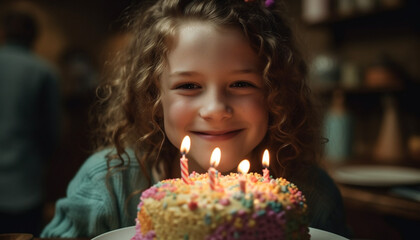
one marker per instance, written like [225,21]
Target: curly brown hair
[130,101]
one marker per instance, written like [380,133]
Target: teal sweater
[91,209]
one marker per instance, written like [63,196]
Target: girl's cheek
[251,104]
[180,111]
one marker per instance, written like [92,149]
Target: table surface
[378,199]
[26,236]
[61,238]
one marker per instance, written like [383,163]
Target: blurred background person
[29,106]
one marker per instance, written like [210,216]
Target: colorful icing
[273,209]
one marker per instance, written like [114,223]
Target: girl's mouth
[217,135]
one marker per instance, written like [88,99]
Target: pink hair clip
[267,3]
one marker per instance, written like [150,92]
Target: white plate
[120,234]
[376,175]
[128,232]
[317,234]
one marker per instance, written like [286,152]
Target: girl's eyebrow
[183,74]
[245,71]
[194,73]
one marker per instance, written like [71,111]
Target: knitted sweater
[92,206]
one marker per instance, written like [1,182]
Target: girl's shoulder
[95,173]
[317,184]
[323,183]
[97,165]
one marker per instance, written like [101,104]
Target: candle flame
[185,145]
[266,159]
[243,166]
[215,157]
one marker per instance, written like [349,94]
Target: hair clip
[267,3]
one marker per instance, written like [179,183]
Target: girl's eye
[242,84]
[188,86]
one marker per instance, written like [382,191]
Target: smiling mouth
[217,135]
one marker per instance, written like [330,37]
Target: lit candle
[185,147]
[214,162]
[243,168]
[266,163]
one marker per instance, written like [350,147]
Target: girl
[224,72]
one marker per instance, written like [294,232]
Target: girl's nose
[215,107]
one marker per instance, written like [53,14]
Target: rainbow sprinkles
[273,209]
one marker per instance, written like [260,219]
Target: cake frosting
[268,209]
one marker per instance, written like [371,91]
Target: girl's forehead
[186,28]
[211,41]
[204,34]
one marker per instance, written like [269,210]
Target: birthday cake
[261,209]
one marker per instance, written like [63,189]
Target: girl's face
[212,90]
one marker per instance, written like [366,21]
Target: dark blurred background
[77,37]
[364,69]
